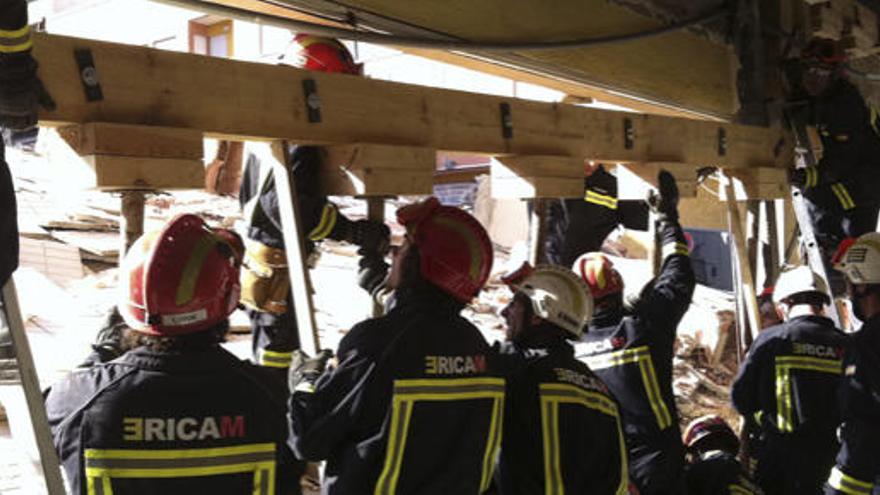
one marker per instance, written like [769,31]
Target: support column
[131,225]
[376,213]
[743,280]
[537,230]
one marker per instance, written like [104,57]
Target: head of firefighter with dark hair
[859,260]
[707,434]
[445,251]
[546,299]
[800,291]
[819,65]
[178,285]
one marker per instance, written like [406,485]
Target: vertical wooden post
[275,155]
[131,226]
[772,264]
[537,231]
[376,213]
[744,282]
[753,236]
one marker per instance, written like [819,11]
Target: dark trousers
[657,471]
[794,468]
[275,336]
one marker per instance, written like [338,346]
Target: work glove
[372,271]
[664,202]
[372,236]
[109,342]
[305,370]
[21,92]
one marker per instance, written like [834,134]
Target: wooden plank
[103,138]
[132,172]
[459,175]
[746,282]
[685,175]
[760,183]
[519,176]
[248,100]
[377,170]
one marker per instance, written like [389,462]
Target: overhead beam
[244,100]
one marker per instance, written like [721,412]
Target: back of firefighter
[857,470]
[788,384]
[576,226]
[177,414]
[562,429]
[631,352]
[841,190]
[711,464]
[266,286]
[412,407]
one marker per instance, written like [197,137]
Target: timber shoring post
[537,230]
[131,225]
[744,282]
[376,213]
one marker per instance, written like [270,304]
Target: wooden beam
[247,100]
[114,172]
[685,175]
[104,138]
[377,170]
[745,282]
[537,177]
[460,175]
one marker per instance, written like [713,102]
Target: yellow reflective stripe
[408,392]
[102,465]
[812,177]
[550,432]
[326,224]
[600,199]
[735,489]
[847,484]
[784,366]
[671,248]
[189,277]
[642,356]
[563,392]
[17,40]
[843,196]
[274,359]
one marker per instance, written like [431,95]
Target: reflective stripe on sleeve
[18,40]
[408,392]
[847,484]
[843,196]
[274,359]
[326,224]
[591,196]
[642,357]
[784,367]
[671,248]
[812,177]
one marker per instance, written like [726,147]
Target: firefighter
[787,384]
[857,471]
[711,465]
[413,406]
[177,413]
[631,350]
[265,282]
[562,429]
[841,190]
[576,226]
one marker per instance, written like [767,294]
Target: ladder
[27,374]
[805,157]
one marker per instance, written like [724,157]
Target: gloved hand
[305,370]
[372,271]
[21,92]
[664,202]
[370,235]
[805,178]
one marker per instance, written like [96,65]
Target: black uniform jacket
[858,462]
[577,226]
[413,406]
[718,473]
[319,217]
[789,378]
[632,353]
[562,429]
[200,422]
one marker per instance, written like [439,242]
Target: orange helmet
[181,279]
[454,249]
[324,54]
[599,274]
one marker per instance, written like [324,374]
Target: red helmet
[454,249]
[599,274]
[824,51]
[325,55]
[181,279]
[705,426]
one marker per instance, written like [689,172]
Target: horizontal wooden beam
[377,170]
[244,100]
[135,172]
[104,138]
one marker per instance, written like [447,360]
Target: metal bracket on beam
[313,101]
[629,134]
[506,121]
[88,74]
[722,141]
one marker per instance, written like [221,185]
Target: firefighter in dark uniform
[787,384]
[577,226]
[711,465]
[413,405]
[177,413]
[857,471]
[631,350]
[266,287]
[841,190]
[562,429]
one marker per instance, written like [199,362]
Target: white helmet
[799,280]
[557,294]
[859,259]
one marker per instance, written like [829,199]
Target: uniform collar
[210,358]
